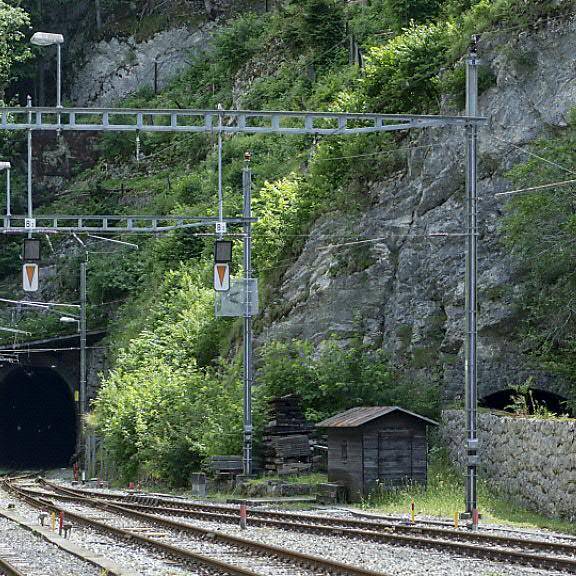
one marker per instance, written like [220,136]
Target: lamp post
[7,166]
[48,39]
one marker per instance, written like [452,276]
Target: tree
[13,22]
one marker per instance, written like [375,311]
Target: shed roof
[363,414]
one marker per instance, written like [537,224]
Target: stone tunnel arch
[38,419]
[501,399]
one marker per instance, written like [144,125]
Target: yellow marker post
[455,519]
[76,396]
[53,521]
[412,514]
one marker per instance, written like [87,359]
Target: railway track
[529,552]
[235,550]
[8,567]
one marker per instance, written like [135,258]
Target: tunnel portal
[502,400]
[37,420]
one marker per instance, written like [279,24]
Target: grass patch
[315,478]
[445,495]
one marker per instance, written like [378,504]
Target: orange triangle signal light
[221,277]
[221,268]
[30,277]
[30,272]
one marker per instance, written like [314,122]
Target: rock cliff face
[404,291]
[113,69]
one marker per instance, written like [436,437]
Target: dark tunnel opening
[37,420]
[503,399]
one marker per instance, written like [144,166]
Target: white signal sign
[30,277]
[221,277]
[29,222]
[221,227]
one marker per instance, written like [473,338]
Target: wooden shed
[373,445]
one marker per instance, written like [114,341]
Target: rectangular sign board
[240,300]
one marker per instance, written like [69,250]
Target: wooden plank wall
[349,471]
[395,448]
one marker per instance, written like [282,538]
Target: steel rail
[219,121]
[381,532]
[267,550]
[9,569]
[127,536]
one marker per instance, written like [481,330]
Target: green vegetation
[160,413]
[13,21]
[298,57]
[540,230]
[313,478]
[339,378]
[444,496]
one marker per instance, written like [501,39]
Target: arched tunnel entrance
[534,397]
[37,419]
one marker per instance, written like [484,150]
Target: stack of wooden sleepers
[287,437]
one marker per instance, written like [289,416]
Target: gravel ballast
[36,557]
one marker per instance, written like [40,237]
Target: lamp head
[5,166]
[67,319]
[46,39]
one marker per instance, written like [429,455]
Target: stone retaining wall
[531,461]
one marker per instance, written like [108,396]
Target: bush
[159,414]
[312,25]
[338,378]
[403,75]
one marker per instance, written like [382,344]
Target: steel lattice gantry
[145,224]
[223,121]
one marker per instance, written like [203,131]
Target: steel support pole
[220,190]
[58,77]
[248,367]
[8,193]
[83,436]
[471,289]
[29,167]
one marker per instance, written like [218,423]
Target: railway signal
[222,262]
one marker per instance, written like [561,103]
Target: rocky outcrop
[533,462]
[403,288]
[113,69]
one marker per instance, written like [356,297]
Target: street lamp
[7,166]
[48,39]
